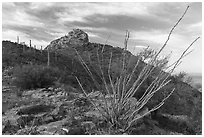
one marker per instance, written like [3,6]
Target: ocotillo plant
[18,40]
[119,108]
[41,50]
[24,46]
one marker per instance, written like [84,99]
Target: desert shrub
[183,76]
[35,76]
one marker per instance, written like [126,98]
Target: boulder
[24,120]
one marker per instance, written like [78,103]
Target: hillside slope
[185,101]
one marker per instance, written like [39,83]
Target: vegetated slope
[13,55]
[184,101]
[16,54]
[67,60]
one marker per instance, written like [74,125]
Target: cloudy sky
[148,23]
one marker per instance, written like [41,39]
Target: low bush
[182,76]
[35,76]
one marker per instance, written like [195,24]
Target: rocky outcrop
[75,38]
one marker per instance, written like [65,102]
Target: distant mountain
[196,77]
[196,80]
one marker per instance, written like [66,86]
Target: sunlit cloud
[140,46]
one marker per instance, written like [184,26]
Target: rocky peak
[74,38]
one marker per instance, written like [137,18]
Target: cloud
[140,46]
[49,14]
[32,32]
[15,15]
[156,39]
[93,35]
[95,17]
[123,22]
[78,11]
[171,11]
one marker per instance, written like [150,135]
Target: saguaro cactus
[18,40]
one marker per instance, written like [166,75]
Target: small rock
[48,119]
[58,113]
[88,125]
[24,120]
[76,131]
[82,102]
